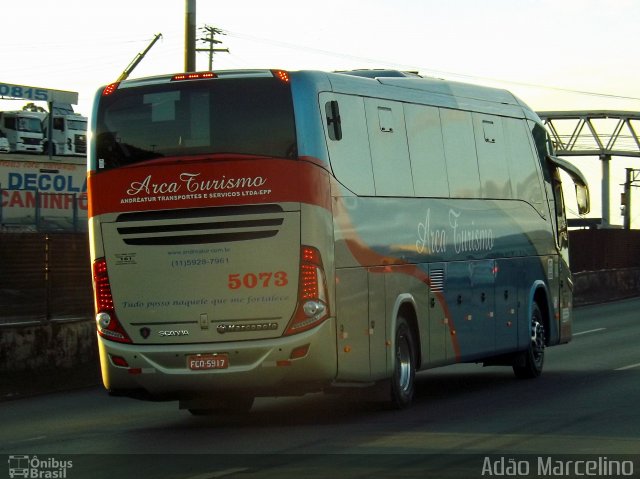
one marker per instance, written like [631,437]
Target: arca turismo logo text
[38,468]
[192,183]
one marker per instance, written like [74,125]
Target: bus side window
[389,150]
[426,150]
[525,179]
[460,152]
[553,184]
[495,171]
[348,145]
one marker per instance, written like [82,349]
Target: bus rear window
[236,116]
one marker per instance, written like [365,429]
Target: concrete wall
[47,356]
[592,287]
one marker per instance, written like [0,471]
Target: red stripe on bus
[162,185]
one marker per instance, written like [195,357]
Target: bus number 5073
[257,280]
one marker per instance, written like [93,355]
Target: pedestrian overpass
[603,134]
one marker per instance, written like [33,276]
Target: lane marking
[590,331]
[30,439]
[631,366]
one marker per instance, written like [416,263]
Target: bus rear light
[109,89]
[312,306]
[106,321]
[194,76]
[119,361]
[299,352]
[281,74]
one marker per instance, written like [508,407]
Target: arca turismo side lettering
[193,183]
[470,238]
[462,236]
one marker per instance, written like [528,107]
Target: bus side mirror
[582,197]
[582,188]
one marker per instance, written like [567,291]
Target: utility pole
[632,177]
[210,39]
[190,35]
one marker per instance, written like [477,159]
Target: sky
[553,54]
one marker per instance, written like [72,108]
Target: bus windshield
[181,119]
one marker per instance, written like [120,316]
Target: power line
[427,69]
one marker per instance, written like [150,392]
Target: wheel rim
[537,341]
[403,361]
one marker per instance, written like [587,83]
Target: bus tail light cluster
[312,306]
[109,89]
[194,76]
[108,325]
[282,75]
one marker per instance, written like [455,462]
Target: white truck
[69,134]
[23,130]
[4,143]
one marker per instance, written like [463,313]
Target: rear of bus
[209,238]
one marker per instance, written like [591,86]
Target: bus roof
[389,84]
[411,87]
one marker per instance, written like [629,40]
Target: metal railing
[593,133]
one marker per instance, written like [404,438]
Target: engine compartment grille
[200,225]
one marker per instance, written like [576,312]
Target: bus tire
[404,372]
[528,364]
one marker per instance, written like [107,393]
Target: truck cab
[23,130]
[69,134]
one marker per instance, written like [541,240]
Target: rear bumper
[263,367]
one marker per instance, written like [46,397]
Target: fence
[609,249]
[44,276]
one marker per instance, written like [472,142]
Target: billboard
[43,196]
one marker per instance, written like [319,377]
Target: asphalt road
[586,403]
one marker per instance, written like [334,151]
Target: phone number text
[189,263]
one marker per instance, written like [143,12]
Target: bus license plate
[200,362]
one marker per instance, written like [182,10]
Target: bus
[268,233]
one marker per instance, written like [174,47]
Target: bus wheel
[528,364]
[404,373]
